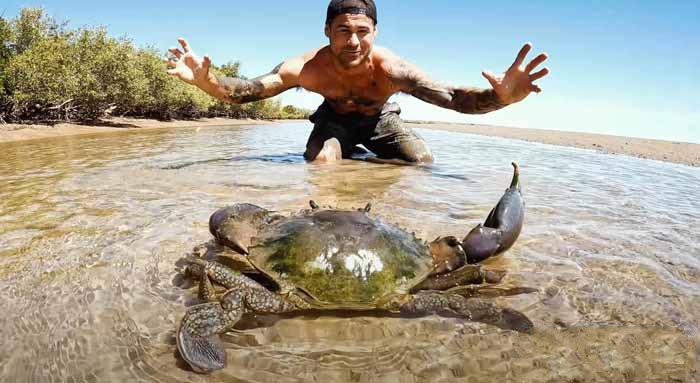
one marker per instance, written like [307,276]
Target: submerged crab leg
[473,309]
[465,275]
[490,291]
[501,228]
[198,336]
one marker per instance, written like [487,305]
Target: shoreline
[685,153]
[28,132]
[667,151]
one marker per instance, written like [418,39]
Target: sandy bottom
[677,152]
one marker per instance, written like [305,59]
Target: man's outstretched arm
[469,100]
[190,68]
[514,86]
[239,91]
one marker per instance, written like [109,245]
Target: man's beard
[351,61]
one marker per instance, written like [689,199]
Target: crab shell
[341,258]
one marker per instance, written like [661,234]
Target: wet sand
[24,132]
[670,151]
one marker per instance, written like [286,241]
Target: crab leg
[209,273]
[475,309]
[502,227]
[198,336]
[465,275]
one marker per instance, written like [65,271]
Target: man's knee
[416,152]
[326,152]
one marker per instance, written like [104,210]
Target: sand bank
[678,152]
[23,132]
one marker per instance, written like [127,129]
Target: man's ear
[327,31]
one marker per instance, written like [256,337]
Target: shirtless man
[356,79]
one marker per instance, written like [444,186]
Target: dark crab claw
[368,207]
[198,340]
[234,226]
[502,227]
[314,205]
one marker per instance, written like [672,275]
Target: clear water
[92,227]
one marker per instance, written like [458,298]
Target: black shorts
[385,134]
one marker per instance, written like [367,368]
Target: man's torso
[365,91]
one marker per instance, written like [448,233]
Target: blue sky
[617,67]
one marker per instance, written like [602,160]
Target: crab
[330,259]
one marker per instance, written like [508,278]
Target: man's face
[351,38]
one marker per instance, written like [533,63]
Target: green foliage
[5,55]
[31,26]
[291,112]
[41,78]
[48,72]
[231,69]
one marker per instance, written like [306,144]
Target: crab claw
[236,245]
[198,338]
[236,225]
[502,227]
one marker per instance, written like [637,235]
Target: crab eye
[452,241]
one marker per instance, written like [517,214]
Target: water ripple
[91,229]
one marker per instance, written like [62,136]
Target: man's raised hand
[517,82]
[187,66]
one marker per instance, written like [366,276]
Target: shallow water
[92,227]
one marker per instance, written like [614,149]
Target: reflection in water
[91,229]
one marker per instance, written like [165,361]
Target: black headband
[353,7]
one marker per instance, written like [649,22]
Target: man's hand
[516,83]
[188,67]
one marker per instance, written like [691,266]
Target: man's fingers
[521,55]
[490,77]
[539,74]
[535,62]
[535,88]
[185,45]
[170,63]
[176,52]
[207,62]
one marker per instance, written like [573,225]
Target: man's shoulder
[387,60]
[391,63]
[319,54]
[294,65]
[384,53]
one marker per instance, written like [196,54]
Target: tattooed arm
[409,79]
[513,86]
[239,91]
[191,69]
